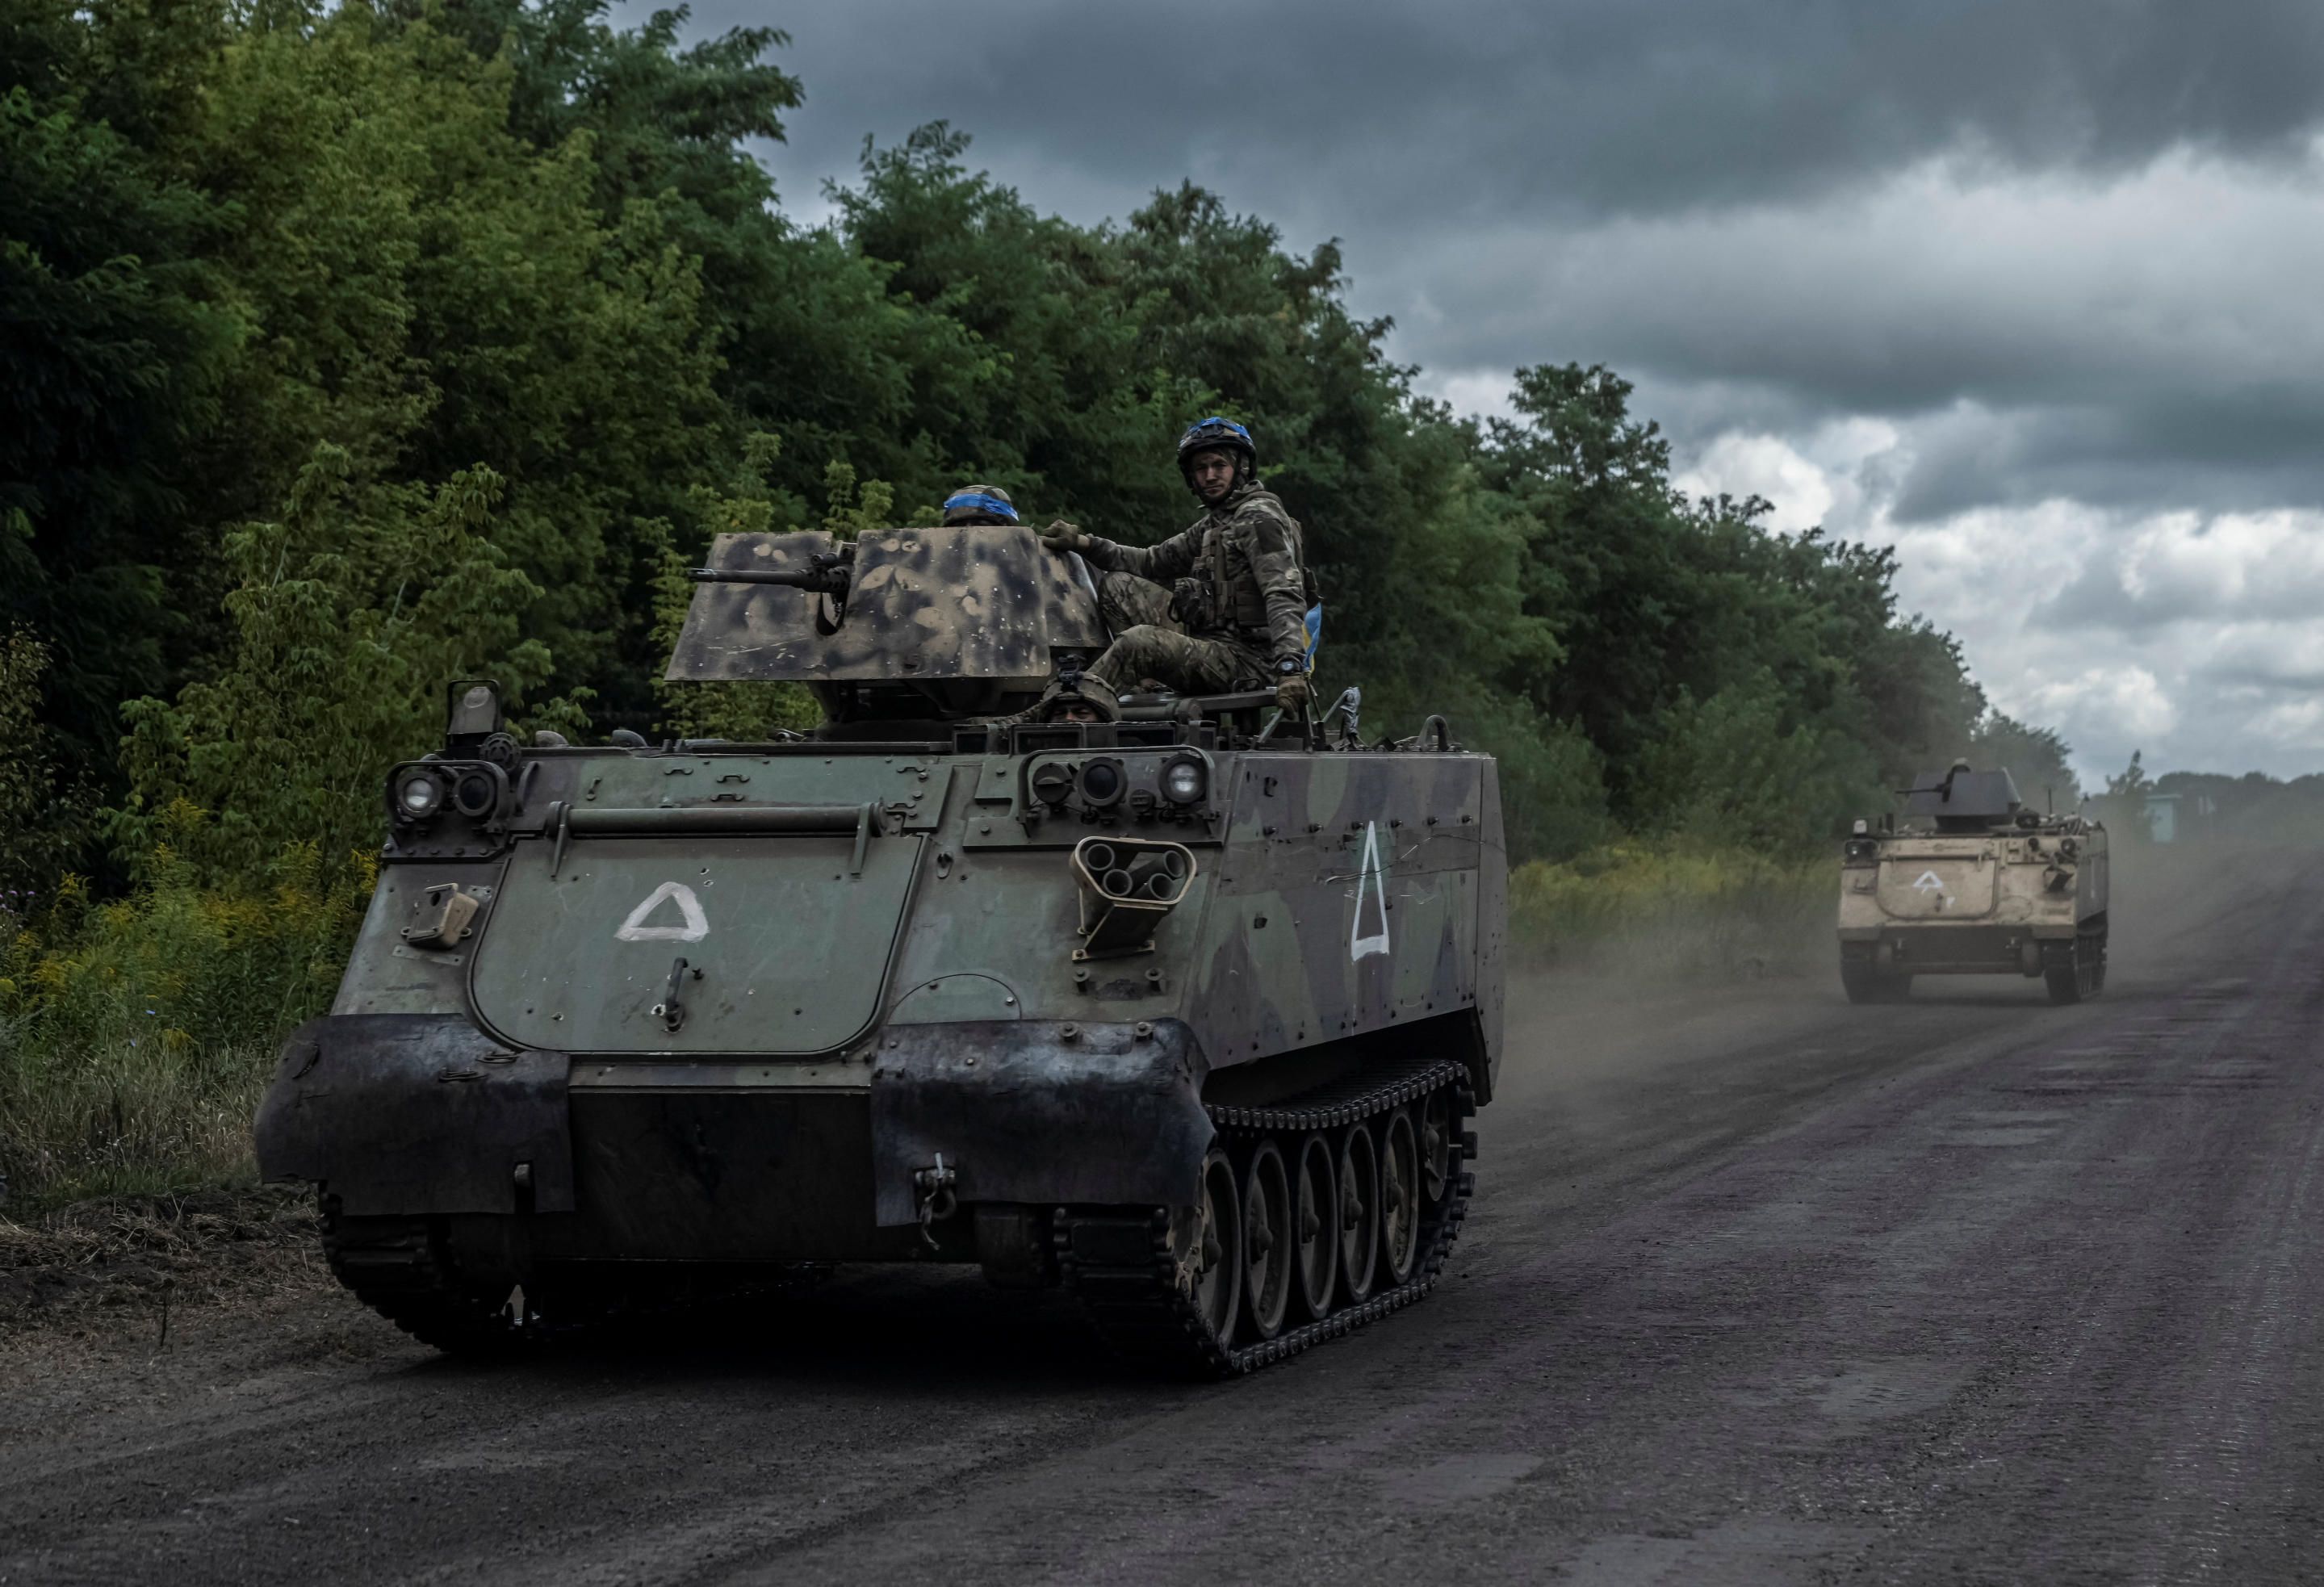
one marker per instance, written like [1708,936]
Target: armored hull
[1990,892]
[1187,1020]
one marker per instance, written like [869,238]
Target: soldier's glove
[1291,693]
[1061,537]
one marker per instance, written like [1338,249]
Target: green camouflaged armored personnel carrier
[1974,884]
[1186,1012]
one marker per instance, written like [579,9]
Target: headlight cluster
[418,793]
[1104,781]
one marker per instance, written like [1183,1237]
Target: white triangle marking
[697,926]
[1360,946]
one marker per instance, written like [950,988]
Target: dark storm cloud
[1583,108]
[2068,247]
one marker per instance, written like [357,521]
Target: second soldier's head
[1218,457]
[980,503]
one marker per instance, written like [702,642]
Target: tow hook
[933,1188]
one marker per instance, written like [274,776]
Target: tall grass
[136,1035]
[1675,911]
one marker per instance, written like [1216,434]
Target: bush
[136,1035]
[1675,909]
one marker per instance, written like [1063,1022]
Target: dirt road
[1759,1288]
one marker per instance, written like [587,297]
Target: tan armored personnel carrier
[1186,1014]
[1973,884]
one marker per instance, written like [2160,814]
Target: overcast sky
[2030,290]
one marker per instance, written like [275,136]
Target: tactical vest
[1232,580]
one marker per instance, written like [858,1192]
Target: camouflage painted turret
[1975,884]
[1184,1012]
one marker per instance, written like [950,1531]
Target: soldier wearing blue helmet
[1233,615]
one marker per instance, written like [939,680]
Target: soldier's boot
[1065,692]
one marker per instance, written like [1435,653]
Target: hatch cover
[792,947]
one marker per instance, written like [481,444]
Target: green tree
[346,628]
[433,292]
[115,338]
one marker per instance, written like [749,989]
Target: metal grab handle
[716,819]
[669,1010]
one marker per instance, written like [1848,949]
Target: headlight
[418,796]
[473,795]
[1185,780]
[1102,783]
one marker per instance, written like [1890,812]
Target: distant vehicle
[1975,884]
[1186,1014]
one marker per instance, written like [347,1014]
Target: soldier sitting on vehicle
[1235,613]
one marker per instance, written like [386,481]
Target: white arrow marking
[1928,883]
[696,926]
[1360,946]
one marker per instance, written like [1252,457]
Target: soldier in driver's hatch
[1237,604]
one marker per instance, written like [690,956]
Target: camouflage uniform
[1248,547]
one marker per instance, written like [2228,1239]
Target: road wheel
[1359,1177]
[1436,1147]
[1216,1259]
[1268,1247]
[1399,1178]
[1315,1226]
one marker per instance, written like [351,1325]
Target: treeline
[351,348]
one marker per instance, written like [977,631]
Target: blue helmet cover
[1216,432]
[981,503]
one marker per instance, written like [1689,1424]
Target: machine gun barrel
[821,581]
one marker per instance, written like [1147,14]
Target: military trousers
[1149,645]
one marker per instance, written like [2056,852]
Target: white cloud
[2196,638]
[1740,465]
